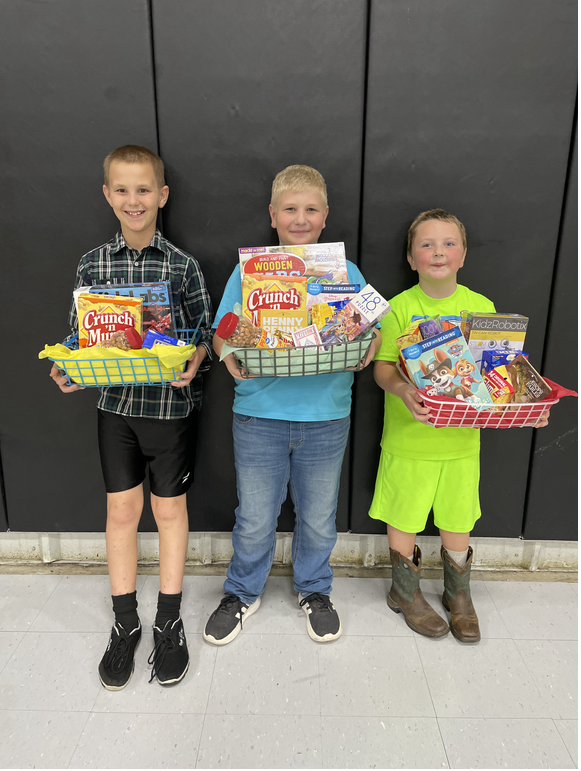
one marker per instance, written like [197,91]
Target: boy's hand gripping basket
[97,367]
[306,360]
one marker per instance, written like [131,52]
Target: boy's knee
[124,509]
[169,510]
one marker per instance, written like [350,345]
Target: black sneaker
[225,623]
[116,666]
[323,622]
[169,658]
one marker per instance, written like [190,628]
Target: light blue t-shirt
[301,398]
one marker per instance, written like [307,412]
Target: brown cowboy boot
[405,596]
[456,599]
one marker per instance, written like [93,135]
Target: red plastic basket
[452,413]
[447,413]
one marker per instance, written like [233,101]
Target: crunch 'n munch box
[275,303]
[102,315]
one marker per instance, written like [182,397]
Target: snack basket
[446,413]
[133,369]
[306,360]
[452,413]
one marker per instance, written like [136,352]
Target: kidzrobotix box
[443,366]
[493,332]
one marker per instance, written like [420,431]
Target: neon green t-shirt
[402,434]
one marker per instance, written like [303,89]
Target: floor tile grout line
[320,708]
[348,716]
[494,605]
[425,675]
[18,644]
[206,707]
[562,740]
[68,764]
[498,610]
[443,742]
[98,712]
[531,675]
[58,583]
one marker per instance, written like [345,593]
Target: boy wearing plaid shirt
[138,425]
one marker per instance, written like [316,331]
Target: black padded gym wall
[244,90]
[551,509]
[465,106]
[77,82]
[470,108]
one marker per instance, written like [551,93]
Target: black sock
[168,609]
[125,610]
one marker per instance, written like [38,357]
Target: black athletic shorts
[127,445]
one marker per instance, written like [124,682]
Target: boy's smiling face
[135,197]
[437,254]
[299,218]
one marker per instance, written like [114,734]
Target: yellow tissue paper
[111,366]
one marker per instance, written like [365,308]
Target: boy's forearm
[388,378]
[217,344]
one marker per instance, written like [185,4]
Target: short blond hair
[298,179]
[434,214]
[135,154]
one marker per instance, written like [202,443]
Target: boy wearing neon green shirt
[421,467]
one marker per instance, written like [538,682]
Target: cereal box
[101,315]
[275,302]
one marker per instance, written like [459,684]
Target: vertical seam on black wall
[155,105]
[3,494]
[359,245]
[551,298]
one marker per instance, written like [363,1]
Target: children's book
[444,366]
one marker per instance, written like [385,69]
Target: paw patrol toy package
[443,366]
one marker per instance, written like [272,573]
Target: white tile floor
[380,697]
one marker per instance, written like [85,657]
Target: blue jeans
[270,454]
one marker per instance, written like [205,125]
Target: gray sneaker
[323,622]
[226,621]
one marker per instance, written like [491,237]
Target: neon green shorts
[406,490]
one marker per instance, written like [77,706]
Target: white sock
[459,557]
[410,558]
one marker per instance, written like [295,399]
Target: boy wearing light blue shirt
[288,432]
